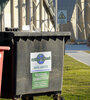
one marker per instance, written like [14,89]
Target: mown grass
[76,80]
[87,51]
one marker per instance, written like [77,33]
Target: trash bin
[37,62]
[2,49]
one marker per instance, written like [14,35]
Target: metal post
[56,8]
[83,16]
[12,13]
[27,12]
[62,27]
[41,15]
[31,15]
[1,22]
[77,20]
[20,14]
[37,14]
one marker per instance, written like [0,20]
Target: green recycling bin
[37,62]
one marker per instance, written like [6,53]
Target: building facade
[39,15]
[78,18]
[32,15]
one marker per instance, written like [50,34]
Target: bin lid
[4,48]
[36,34]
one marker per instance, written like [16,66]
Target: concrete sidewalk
[77,52]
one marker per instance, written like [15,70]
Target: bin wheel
[62,98]
[27,98]
[58,97]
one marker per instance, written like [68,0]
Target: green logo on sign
[40,59]
[62,16]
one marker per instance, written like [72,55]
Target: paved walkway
[77,52]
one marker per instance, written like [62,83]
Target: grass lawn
[87,51]
[76,80]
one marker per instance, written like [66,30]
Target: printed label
[40,80]
[40,62]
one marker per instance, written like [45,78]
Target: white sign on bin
[40,61]
[62,17]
